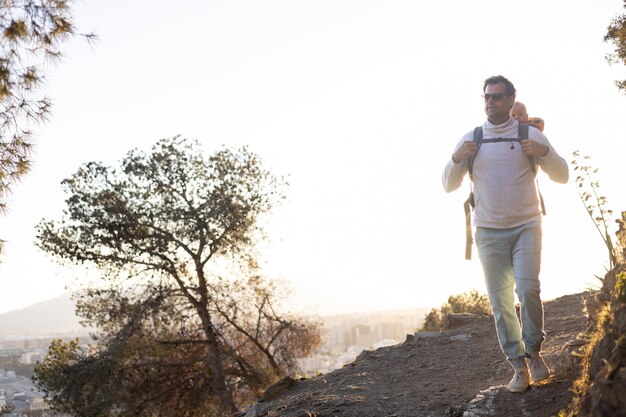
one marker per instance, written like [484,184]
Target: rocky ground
[458,372]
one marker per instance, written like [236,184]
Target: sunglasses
[494,97]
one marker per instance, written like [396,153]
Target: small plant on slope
[596,204]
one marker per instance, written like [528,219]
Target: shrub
[469,302]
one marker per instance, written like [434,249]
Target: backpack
[522,134]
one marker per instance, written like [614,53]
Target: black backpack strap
[469,203]
[468,226]
[522,131]
[478,139]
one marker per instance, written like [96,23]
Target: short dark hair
[497,79]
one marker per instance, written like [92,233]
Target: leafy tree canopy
[31,35]
[616,34]
[185,320]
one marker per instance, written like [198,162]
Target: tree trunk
[216,364]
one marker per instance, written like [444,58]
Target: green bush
[469,302]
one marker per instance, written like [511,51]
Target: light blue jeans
[512,258]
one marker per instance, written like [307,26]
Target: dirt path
[453,373]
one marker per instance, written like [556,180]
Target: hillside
[54,317]
[601,388]
[458,372]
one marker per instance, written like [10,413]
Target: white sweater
[504,186]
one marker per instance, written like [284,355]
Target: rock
[258,410]
[460,337]
[482,404]
[279,388]
[453,412]
[302,413]
[426,335]
[279,412]
[461,319]
[365,355]
[339,402]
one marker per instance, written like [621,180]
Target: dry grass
[581,385]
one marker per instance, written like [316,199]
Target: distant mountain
[54,317]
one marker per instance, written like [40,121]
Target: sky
[359,104]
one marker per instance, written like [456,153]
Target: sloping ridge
[52,317]
[457,372]
[601,388]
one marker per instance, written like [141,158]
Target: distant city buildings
[7,376]
[9,351]
[348,335]
[32,357]
[16,387]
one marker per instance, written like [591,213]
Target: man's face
[497,103]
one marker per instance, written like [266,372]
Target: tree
[471,302]
[616,34]
[31,35]
[6,409]
[68,361]
[173,234]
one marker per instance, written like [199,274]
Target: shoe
[538,368]
[520,381]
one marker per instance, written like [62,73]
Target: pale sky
[359,103]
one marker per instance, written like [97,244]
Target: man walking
[508,223]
